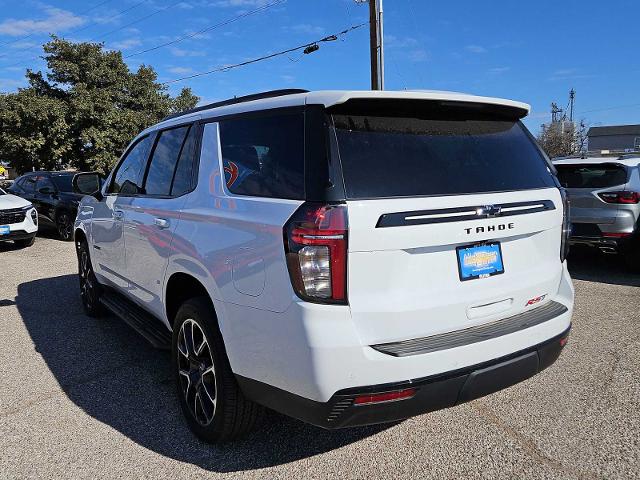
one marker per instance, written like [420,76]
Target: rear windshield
[591,176]
[386,156]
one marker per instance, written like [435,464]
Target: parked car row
[18,220]
[51,193]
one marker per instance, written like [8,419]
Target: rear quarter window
[389,156]
[264,156]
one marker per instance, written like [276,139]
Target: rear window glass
[386,156]
[591,176]
[264,156]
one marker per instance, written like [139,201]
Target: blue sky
[530,51]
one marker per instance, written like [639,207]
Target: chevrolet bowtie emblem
[489,211]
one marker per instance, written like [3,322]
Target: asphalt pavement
[87,398]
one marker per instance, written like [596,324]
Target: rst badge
[535,300]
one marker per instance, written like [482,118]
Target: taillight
[566,226]
[620,197]
[315,240]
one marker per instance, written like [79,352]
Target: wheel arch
[79,236]
[179,288]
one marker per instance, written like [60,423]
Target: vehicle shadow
[114,376]
[591,265]
[48,232]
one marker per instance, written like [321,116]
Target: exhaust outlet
[608,250]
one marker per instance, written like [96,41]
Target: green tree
[92,106]
[34,133]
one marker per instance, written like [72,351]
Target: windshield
[385,156]
[591,176]
[63,182]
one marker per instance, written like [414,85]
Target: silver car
[604,194]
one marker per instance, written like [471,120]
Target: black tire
[64,226]
[221,412]
[90,289]
[632,260]
[26,242]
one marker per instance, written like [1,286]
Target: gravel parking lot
[85,398]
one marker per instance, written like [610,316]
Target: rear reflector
[616,234]
[563,341]
[385,397]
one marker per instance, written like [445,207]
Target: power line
[77,30]
[34,33]
[619,107]
[72,32]
[138,20]
[141,19]
[308,47]
[207,29]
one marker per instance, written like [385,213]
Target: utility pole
[376,43]
[555,113]
[572,97]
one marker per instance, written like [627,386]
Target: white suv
[18,220]
[343,257]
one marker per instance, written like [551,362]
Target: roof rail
[235,100]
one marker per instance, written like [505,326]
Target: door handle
[118,214]
[161,222]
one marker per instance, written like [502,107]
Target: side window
[164,160]
[44,182]
[18,185]
[264,156]
[182,179]
[128,177]
[29,184]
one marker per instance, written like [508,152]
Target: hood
[12,201]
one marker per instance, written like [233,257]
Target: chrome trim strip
[459,214]
[480,333]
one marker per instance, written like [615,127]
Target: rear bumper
[607,244]
[314,351]
[431,393]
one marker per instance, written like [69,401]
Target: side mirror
[87,184]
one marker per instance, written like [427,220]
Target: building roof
[614,130]
[329,98]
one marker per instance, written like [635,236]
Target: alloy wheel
[65,228]
[87,285]
[197,372]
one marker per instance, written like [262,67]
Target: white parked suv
[18,220]
[343,257]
